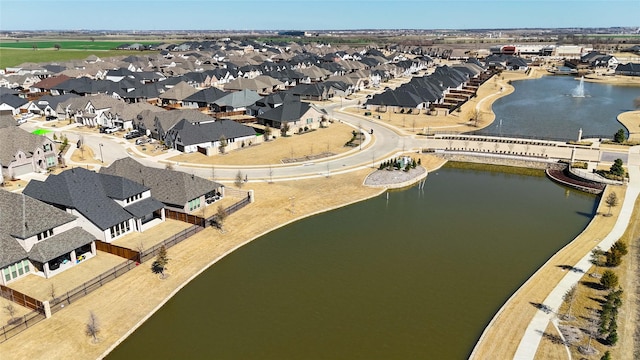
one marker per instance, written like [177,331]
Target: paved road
[386,142]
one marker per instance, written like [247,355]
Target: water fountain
[578,92]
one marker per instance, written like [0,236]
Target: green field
[13,57]
[66,44]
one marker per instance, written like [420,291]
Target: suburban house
[298,116]
[22,152]
[628,69]
[206,137]
[237,101]
[203,98]
[37,238]
[156,124]
[11,104]
[107,206]
[177,190]
[175,95]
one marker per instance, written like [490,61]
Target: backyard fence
[20,324]
[180,216]
[21,299]
[120,251]
[167,243]
[86,288]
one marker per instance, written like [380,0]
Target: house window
[194,204]
[47,147]
[51,161]
[120,229]
[309,121]
[45,234]
[7,274]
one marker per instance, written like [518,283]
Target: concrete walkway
[533,334]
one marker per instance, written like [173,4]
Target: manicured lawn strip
[13,57]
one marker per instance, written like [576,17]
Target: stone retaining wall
[497,160]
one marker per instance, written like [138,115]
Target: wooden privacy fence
[180,216]
[20,324]
[58,303]
[21,299]
[118,251]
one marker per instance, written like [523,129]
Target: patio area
[147,239]
[40,288]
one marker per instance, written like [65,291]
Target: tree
[160,263]
[474,117]
[239,181]
[284,129]
[52,291]
[267,133]
[619,136]
[92,328]
[596,257]
[568,297]
[56,46]
[611,201]
[10,310]
[223,144]
[221,216]
[609,279]
[616,168]
[606,356]
[615,253]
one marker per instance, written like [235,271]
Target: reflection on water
[545,108]
[414,275]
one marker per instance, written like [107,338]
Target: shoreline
[28,335]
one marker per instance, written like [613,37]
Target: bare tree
[568,297]
[221,216]
[239,181]
[10,310]
[92,328]
[52,291]
[611,201]
[213,173]
[223,144]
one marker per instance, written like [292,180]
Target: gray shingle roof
[191,134]
[86,192]
[14,139]
[10,251]
[144,207]
[169,186]
[60,244]
[38,216]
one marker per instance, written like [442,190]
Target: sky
[314,14]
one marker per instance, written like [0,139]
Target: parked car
[132,134]
[141,141]
[51,118]
[111,130]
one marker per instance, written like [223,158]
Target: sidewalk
[533,334]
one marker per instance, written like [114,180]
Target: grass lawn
[13,57]
[67,44]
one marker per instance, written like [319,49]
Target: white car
[21,121]
[111,130]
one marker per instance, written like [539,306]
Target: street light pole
[101,158]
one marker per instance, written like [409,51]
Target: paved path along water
[533,335]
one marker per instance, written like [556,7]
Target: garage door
[22,170]
[6,112]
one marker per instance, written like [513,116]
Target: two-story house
[22,152]
[107,206]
